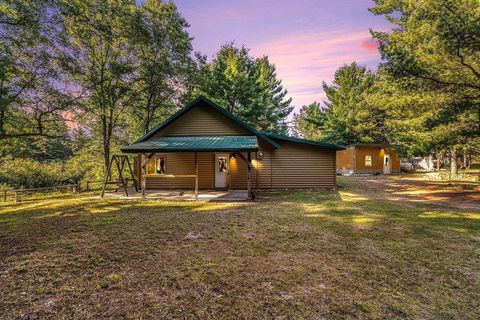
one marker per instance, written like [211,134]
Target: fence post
[16,196]
[5,196]
[87,185]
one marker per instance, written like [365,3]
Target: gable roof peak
[212,104]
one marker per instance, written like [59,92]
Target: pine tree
[246,87]
[348,115]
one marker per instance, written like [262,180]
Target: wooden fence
[16,194]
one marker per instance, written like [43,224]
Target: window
[222,164]
[156,166]
[368,161]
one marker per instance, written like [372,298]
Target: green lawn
[313,255]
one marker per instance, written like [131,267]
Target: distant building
[426,164]
[368,158]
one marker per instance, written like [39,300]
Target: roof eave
[305,141]
[190,150]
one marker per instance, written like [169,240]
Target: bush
[29,173]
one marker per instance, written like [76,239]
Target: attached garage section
[303,166]
[293,165]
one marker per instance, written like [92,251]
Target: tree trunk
[465,160]
[106,153]
[438,162]
[453,161]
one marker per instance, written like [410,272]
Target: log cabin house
[203,146]
[367,158]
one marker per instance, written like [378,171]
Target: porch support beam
[196,176]
[144,173]
[248,162]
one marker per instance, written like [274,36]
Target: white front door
[387,164]
[221,170]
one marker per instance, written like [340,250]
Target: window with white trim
[368,161]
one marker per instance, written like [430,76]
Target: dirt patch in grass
[312,255]
[464,195]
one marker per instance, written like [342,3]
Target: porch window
[156,166]
[368,161]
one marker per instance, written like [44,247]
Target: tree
[349,116]
[247,87]
[433,51]
[31,105]
[163,48]
[99,59]
[274,104]
[310,122]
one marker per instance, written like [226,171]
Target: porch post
[144,173]
[196,176]
[249,175]
[143,176]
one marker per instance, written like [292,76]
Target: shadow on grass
[25,225]
[359,211]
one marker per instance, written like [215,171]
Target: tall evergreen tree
[275,106]
[247,87]
[434,51]
[348,115]
[310,121]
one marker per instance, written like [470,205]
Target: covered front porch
[182,195]
[197,168]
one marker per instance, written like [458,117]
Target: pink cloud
[306,59]
[369,45]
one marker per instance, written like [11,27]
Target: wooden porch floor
[182,195]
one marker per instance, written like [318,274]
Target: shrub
[29,173]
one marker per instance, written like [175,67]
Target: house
[367,158]
[203,146]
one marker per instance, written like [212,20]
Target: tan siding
[293,165]
[184,163]
[238,172]
[345,159]
[377,154]
[265,166]
[203,120]
[301,166]
[206,170]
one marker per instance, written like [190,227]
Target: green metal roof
[212,104]
[194,143]
[304,141]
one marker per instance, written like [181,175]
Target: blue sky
[307,40]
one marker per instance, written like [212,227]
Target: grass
[312,255]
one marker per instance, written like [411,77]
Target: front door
[387,164]
[221,170]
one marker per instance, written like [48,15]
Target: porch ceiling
[194,143]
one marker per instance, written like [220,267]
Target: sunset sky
[306,39]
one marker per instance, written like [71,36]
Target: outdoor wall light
[260,155]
